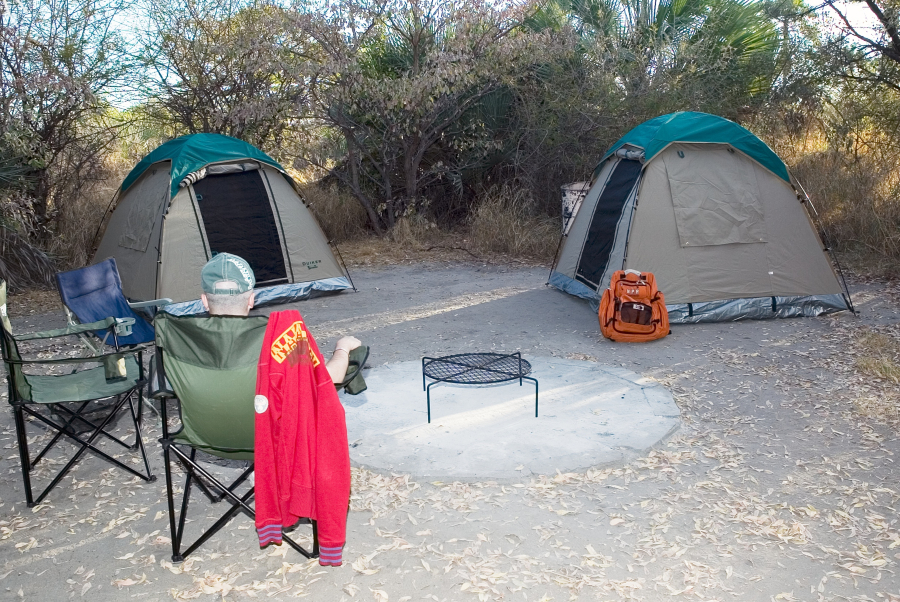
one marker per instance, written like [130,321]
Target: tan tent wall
[792,262]
[309,255]
[145,201]
[183,250]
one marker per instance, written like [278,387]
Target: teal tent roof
[196,151]
[658,133]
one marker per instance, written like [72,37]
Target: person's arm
[340,359]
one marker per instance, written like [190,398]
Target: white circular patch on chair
[260,403]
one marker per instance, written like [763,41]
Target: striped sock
[330,556]
[269,534]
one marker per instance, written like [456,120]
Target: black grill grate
[476,368]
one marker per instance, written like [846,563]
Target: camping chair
[210,363]
[95,293]
[43,397]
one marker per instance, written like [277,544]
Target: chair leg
[83,445]
[23,453]
[218,524]
[170,498]
[98,430]
[212,497]
[315,530]
[315,544]
[140,407]
[138,435]
[303,552]
[196,473]
[185,499]
[78,415]
[61,430]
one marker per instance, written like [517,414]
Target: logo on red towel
[292,340]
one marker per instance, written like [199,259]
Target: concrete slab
[590,415]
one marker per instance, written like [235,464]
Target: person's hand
[348,344]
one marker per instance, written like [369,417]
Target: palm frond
[22,264]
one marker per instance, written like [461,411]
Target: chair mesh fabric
[82,385]
[94,293]
[210,363]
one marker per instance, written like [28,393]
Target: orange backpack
[632,308]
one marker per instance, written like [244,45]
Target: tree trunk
[358,192]
[40,221]
[411,162]
[389,201]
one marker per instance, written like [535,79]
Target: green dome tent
[203,194]
[709,209]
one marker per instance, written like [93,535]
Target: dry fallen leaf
[380,595]
[351,589]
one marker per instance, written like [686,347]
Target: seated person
[227,281]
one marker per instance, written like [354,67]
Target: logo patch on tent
[288,342]
[260,404]
[311,265]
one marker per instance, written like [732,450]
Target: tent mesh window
[238,219]
[600,237]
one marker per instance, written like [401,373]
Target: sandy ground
[781,485]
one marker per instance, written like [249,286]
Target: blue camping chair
[95,293]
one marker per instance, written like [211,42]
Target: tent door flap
[599,242]
[237,216]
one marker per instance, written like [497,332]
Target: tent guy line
[328,330]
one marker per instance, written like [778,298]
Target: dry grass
[439,246]
[83,210]
[881,357]
[880,367]
[414,232]
[857,195]
[502,230]
[878,357]
[340,215]
[504,222]
[34,302]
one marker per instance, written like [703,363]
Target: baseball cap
[227,274]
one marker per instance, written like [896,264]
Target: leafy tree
[869,55]
[698,53]
[628,61]
[228,67]
[59,59]
[409,93]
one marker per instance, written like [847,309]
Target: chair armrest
[153,303]
[70,329]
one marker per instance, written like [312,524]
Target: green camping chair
[209,365]
[47,398]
